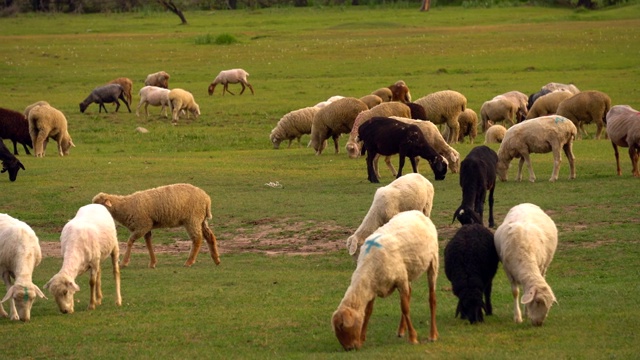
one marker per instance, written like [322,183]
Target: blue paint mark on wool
[370,243]
[559,119]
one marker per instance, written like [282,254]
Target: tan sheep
[494,134]
[47,122]
[585,108]
[520,99]
[180,100]
[444,107]
[293,125]
[27,110]
[468,121]
[623,127]
[384,93]
[160,79]
[386,109]
[371,100]
[548,104]
[127,86]
[498,109]
[333,120]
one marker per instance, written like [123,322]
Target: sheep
[233,76]
[535,96]
[584,108]
[400,92]
[553,86]
[105,94]
[393,108]
[371,100]
[409,192]
[47,122]
[623,127]
[392,257]
[386,136]
[163,207]
[445,107]
[293,125]
[384,93]
[10,162]
[19,255]
[127,86]
[548,104]
[477,175]
[180,100]
[85,240]
[333,120]
[470,264]
[468,121]
[160,79]
[520,100]
[526,242]
[15,127]
[417,111]
[495,134]
[28,109]
[497,109]
[322,104]
[155,96]
[540,135]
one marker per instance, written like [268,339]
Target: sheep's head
[347,325]
[466,216]
[439,166]
[538,301]
[470,305]
[353,149]
[23,297]
[501,170]
[275,140]
[63,288]
[66,143]
[212,87]
[12,166]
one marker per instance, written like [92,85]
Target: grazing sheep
[160,79]
[520,100]
[540,135]
[333,120]
[400,92]
[392,108]
[623,127]
[535,96]
[444,107]
[468,121]
[585,108]
[553,86]
[392,257]
[15,127]
[19,255]
[408,192]
[384,93]
[86,240]
[322,104]
[371,100]
[47,122]
[477,175]
[548,104]
[470,263]
[127,86]
[386,136]
[526,242]
[105,94]
[163,207]
[155,96]
[180,100]
[293,125]
[233,76]
[10,162]
[497,109]
[28,109]
[494,134]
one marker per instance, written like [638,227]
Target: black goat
[10,162]
[385,136]
[15,127]
[470,263]
[105,94]
[477,175]
[533,97]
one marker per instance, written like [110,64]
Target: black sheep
[105,94]
[15,127]
[417,111]
[9,162]
[533,97]
[477,175]
[386,136]
[470,263]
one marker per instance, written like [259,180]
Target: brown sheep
[585,108]
[127,86]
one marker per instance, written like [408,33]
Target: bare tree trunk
[426,4]
[169,5]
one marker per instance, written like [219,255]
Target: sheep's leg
[7,282]
[568,151]
[115,254]
[367,315]
[517,315]
[491,220]
[125,102]
[212,242]
[414,164]
[250,88]
[401,165]
[138,108]
[101,106]
[26,149]
[127,254]
[371,165]
[615,152]
[152,256]
[387,160]
[93,274]
[432,275]
[243,87]
[488,308]
[557,160]
[117,105]
[335,143]
[99,286]
[39,144]
[634,154]
[405,305]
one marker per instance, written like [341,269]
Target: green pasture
[262,302]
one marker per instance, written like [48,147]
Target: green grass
[259,306]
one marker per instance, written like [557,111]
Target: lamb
[470,263]
[386,136]
[105,94]
[15,127]
[10,162]
[163,207]
[586,107]
[180,100]
[393,108]
[394,255]
[384,93]
[159,79]
[155,96]
[400,92]
[526,242]
[548,104]
[233,76]
[85,240]
[623,127]
[293,125]
[477,175]
[553,86]
[540,135]
[19,255]
[445,107]
[494,134]
[371,100]
[498,109]
[47,122]
[468,121]
[127,86]
[333,120]
[408,192]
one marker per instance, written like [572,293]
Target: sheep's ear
[528,297]
[343,319]
[107,203]
[39,292]
[352,245]
[456,214]
[8,295]
[74,286]
[46,286]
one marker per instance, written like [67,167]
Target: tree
[426,4]
[169,5]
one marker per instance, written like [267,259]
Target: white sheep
[408,192]
[47,122]
[160,79]
[526,242]
[391,258]
[386,109]
[85,241]
[333,120]
[554,86]
[548,104]
[623,127]
[163,207]
[233,76]
[19,255]
[540,135]
[444,107]
[154,96]
[293,125]
[498,109]
[180,100]
[494,134]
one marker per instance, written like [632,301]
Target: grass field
[279,306]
